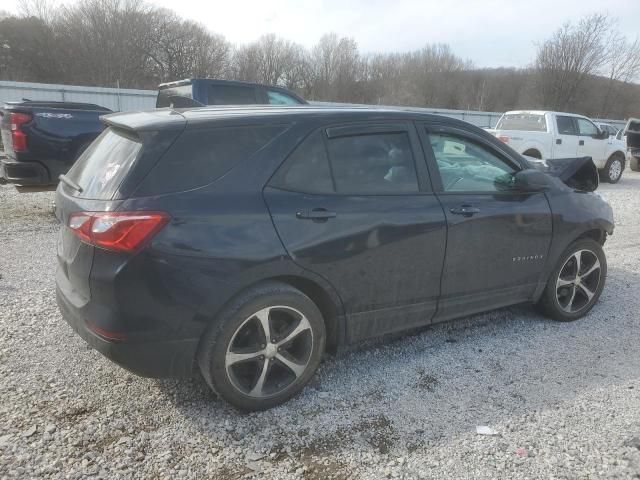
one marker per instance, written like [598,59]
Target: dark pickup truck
[43,139]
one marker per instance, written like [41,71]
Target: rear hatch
[104,176]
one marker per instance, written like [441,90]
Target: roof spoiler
[153,120]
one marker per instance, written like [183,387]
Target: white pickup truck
[549,135]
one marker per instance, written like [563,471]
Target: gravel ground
[563,399]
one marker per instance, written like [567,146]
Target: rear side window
[232,95]
[102,167]
[200,156]
[566,125]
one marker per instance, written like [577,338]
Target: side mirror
[530,180]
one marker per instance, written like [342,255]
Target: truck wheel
[613,169]
[634,164]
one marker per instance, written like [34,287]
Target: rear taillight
[18,137]
[503,138]
[118,231]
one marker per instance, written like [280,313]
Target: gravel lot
[564,399]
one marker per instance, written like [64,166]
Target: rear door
[497,238]
[353,204]
[566,140]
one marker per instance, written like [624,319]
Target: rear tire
[612,171]
[634,164]
[264,347]
[575,286]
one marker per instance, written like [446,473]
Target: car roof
[164,118]
[542,112]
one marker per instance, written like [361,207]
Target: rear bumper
[157,359]
[24,173]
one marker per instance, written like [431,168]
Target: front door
[497,239]
[588,145]
[353,205]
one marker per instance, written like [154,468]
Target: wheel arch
[330,306]
[597,233]
[533,152]
[322,294]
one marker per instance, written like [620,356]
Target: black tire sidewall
[551,306]
[213,348]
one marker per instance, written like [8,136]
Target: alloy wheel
[578,281]
[269,351]
[615,170]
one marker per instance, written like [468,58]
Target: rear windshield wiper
[67,181]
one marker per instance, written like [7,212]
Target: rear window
[103,166]
[231,95]
[522,121]
[173,95]
[200,156]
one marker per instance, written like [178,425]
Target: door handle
[581,142]
[317,214]
[465,210]
[558,141]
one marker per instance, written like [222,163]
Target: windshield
[522,121]
[102,167]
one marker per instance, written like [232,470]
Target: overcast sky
[491,33]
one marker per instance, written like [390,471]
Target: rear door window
[362,164]
[102,167]
[232,95]
[566,125]
[307,168]
[380,163]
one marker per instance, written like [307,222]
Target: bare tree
[565,61]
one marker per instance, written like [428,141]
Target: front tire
[264,347]
[613,169]
[576,283]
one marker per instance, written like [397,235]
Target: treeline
[586,67]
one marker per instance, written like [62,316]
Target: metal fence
[478,118]
[116,99]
